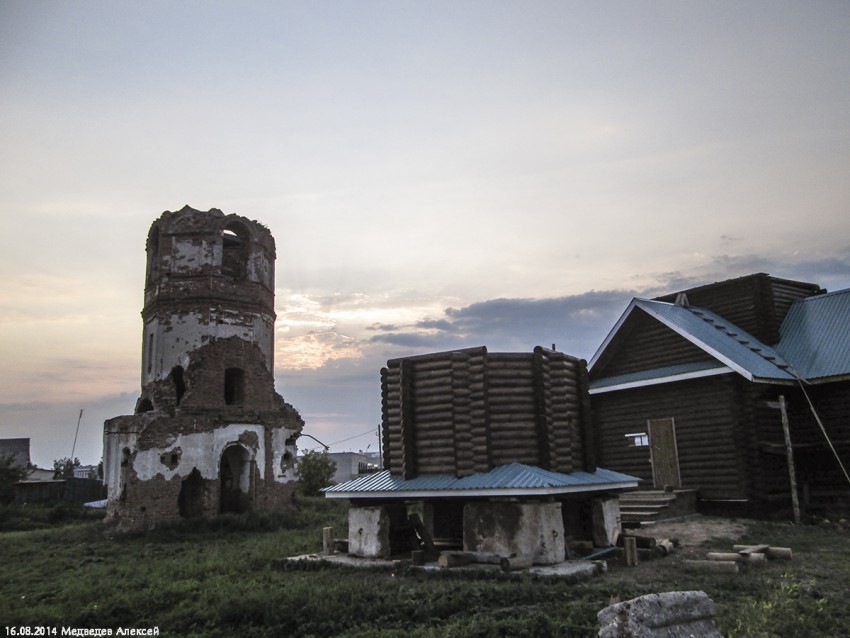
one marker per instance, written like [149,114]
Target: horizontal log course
[507,358]
[502,405]
[439,466]
[436,368]
[432,413]
[423,384]
[498,374]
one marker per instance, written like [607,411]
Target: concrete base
[533,530]
[606,521]
[369,532]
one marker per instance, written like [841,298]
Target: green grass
[228,577]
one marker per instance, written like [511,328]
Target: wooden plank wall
[652,345]
[468,411]
[706,422]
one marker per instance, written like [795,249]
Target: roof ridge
[750,342]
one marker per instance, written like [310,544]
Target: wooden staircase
[645,507]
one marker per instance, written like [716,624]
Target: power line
[371,431]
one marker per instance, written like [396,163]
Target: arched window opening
[234,251]
[145,405]
[234,386]
[179,384]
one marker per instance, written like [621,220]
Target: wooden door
[664,453]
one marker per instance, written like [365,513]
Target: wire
[354,437]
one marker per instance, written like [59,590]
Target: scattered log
[782,553]
[515,563]
[711,566]
[454,559]
[750,549]
[665,547]
[736,557]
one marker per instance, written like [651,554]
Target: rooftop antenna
[74,447]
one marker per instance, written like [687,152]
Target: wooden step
[648,506]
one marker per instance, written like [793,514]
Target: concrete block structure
[209,434]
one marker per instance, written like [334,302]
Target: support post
[328,540]
[789,451]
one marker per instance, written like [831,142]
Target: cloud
[575,324]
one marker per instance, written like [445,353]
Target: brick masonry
[209,433]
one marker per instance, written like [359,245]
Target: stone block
[369,532]
[534,530]
[681,614]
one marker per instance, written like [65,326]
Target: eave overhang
[514,480]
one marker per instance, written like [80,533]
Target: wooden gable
[644,343]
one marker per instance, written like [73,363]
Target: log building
[685,390]
[495,447]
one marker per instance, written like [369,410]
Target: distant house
[351,465]
[685,389]
[40,474]
[86,472]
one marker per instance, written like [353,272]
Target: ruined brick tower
[209,433]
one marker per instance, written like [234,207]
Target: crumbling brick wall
[209,433]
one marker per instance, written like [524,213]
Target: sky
[436,175]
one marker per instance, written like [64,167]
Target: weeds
[228,576]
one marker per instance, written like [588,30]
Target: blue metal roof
[815,336]
[723,340]
[512,479]
[683,370]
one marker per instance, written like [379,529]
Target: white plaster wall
[113,446]
[189,256]
[174,342]
[200,450]
[279,448]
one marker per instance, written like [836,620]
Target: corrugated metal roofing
[723,340]
[815,336]
[515,477]
[681,370]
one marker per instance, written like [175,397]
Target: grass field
[62,568]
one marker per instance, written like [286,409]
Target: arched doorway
[190,501]
[236,479]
